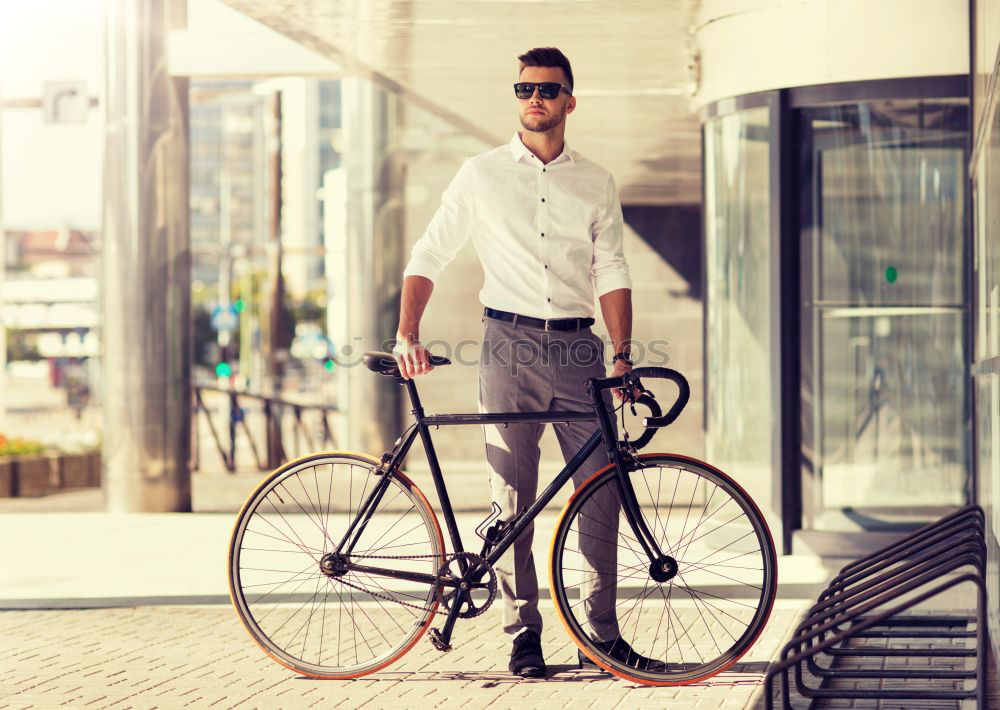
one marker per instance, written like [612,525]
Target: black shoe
[621,651]
[526,656]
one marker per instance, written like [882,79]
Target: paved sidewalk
[132,610]
[200,656]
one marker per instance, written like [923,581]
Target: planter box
[6,478]
[36,475]
[93,469]
[75,470]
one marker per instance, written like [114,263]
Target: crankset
[479,575]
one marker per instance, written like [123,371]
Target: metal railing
[276,412]
[867,600]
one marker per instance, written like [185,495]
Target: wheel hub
[333,565]
[664,569]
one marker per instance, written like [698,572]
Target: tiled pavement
[200,656]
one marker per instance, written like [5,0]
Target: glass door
[885,415]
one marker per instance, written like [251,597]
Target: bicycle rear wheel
[323,623]
[714,604]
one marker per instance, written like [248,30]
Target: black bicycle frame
[422,425]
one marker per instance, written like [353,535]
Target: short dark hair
[546,57]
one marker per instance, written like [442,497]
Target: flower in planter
[19,447]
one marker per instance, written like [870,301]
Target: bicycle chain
[448,559]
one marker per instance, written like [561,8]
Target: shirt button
[549,300]
[543,170]
[546,266]
[543,199]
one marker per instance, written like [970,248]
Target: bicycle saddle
[385,363]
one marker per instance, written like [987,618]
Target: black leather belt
[551,324]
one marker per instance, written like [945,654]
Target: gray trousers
[527,369]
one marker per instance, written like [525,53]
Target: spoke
[693,595]
[374,545]
[616,515]
[281,515]
[738,515]
[301,545]
[377,628]
[329,504]
[673,496]
[275,632]
[705,622]
[276,604]
[619,578]
[717,551]
[633,568]
[391,593]
[358,553]
[670,624]
[693,531]
[624,538]
[322,627]
[309,498]
[642,599]
[623,601]
[304,570]
[684,628]
[719,574]
[656,513]
[716,596]
[304,512]
[697,525]
[312,610]
[388,591]
[690,505]
[273,584]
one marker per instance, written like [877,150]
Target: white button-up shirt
[548,236]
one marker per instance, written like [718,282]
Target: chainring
[475,564]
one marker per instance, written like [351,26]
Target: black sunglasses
[546,89]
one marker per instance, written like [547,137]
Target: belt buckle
[547,325]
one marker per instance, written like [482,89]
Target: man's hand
[621,367]
[411,357]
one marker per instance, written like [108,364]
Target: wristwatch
[624,356]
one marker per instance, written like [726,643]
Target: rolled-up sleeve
[609,268]
[448,230]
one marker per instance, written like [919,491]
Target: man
[547,225]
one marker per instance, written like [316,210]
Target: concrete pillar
[371,129]
[146,264]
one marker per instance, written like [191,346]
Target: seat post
[411,388]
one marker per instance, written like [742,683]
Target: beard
[540,124]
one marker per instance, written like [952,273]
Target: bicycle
[693,593]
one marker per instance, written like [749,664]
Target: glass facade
[882,218]
[739,420]
[838,307]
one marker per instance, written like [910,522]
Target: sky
[50,175]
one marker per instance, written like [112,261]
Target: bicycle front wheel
[327,620]
[691,623]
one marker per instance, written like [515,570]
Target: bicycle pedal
[438,642]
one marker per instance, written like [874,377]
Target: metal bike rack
[868,598]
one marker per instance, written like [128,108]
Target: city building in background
[811,210]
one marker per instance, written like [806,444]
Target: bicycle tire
[738,607]
[285,537]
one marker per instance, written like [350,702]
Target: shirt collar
[520,150]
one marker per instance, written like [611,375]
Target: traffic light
[223,369]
